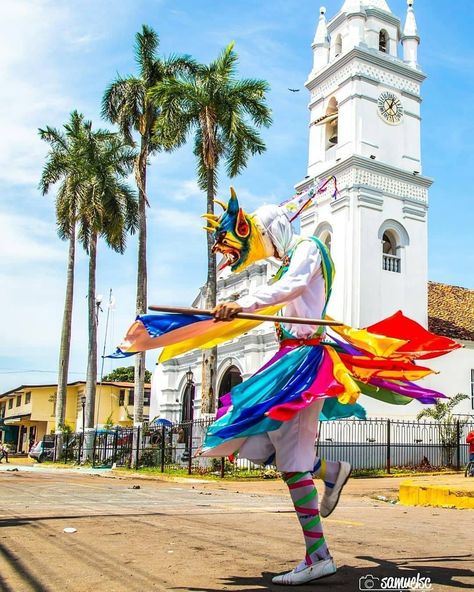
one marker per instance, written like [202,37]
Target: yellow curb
[442,495]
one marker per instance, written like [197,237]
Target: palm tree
[64,164]
[224,114]
[448,427]
[108,209]
[126,103]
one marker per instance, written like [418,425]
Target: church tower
[365,97]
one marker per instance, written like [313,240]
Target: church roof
[451,311]
[382,4]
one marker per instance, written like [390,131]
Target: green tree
[65,165]
[108,210]
[125,374]
[126,103]
[442,413]
[224,113]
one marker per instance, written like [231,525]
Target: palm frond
[146,47]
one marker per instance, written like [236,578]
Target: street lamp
[190,391]
[83,403]
[98,302]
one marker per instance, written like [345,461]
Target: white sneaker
[303,575]
[331,496]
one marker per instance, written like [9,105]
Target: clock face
[390,108]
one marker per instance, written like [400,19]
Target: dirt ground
[135,535]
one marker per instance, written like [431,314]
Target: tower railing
[391,263]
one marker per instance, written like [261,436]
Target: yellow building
[27,412]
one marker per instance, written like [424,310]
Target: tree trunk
[209,356]
[91,379]
[64,350]
[142,279]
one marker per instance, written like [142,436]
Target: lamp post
[190,391]
[98,302]
[83,405]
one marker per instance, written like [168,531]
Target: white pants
[292,443]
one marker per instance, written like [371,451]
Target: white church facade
[365,92]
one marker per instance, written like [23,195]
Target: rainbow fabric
[379,362]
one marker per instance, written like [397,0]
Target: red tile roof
[451,311]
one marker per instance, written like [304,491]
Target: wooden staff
[247,315]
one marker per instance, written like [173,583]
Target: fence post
[67,449]
[93,448]
[137,453]
[81,444]
[163,447]
[388,447]
[458,445]
[222,467]
[55,447]
[190,448]
[114,456]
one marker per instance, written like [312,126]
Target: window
[131,396]
[472,389]
[338,46]
[122,397]
[231,378]
[391,258]
[383,41]
[326,239]
[3,407]
[146,397]
[18,401]
[10,403]
[332,116]
[27,398]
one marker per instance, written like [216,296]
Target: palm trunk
[209,356]
[91,379]
[141,283]
[65,346]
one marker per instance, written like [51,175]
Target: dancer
[273,416]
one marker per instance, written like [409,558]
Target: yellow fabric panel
[341,374]
[219,333]
[378,345]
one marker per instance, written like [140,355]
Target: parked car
[44,449]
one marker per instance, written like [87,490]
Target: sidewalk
[453,491]
[381,488]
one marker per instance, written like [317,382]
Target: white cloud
[27,240]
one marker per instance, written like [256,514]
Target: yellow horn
[210,217]
[221,203]
[212,221]
[208,229]
[232,192]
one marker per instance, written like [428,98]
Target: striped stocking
[305,499]
[326,470]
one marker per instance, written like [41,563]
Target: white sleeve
[305,262]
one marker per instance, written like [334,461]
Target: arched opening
[390,251]
[326,238]
[383,41]
[231,378]
[338,46]
[331,120]
[188,402]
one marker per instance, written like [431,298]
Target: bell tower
[365,98]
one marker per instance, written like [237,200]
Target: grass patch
[257,475]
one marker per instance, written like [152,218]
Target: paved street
[210,536]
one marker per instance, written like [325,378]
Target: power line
[34,371]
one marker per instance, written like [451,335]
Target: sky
[59,55]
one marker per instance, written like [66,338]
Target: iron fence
[366,444]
